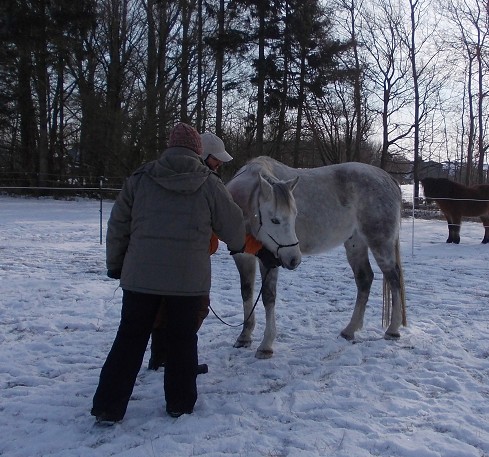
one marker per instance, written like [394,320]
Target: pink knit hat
[185,136]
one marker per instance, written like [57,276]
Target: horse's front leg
[269,294]
[357,255]
[454,223]
[246,264]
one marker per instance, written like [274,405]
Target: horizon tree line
[92,88]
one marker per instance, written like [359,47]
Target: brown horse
[456,200]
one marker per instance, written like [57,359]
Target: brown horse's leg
[485,222]
[452,234]
[456,224]
[453,228]
[158,339]
[450,226]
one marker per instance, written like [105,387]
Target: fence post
[412,229]
[100,210]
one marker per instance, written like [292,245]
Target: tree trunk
[300,104]
[260,109]
[471,134]
[199,125]
[480,112]
[357,89]
[184,61]
[415,76]
[27,117]
[42,89]
[150,136]
[163,118]
[284,93]
[219,69]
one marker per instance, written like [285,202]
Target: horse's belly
[315,240]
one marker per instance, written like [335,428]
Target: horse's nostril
[294,262]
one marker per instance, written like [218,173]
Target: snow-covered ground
[426,395]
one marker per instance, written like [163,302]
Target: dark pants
[123,363]
[159,336]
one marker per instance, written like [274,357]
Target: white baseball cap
[213,145]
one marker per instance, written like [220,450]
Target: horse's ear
[292,183]
[270,179]
[265,187]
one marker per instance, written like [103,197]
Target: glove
[268,259]
[114,274]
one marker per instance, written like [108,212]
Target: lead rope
[252,310]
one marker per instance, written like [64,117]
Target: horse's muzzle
[292,263]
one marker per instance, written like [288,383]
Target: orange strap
[213,244]
[252,245]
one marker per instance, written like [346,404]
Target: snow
[426,395]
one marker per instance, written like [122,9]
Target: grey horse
[309,211]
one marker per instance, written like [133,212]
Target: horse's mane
[264,166]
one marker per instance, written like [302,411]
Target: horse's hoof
[264,354]
[242,344]
[347,336]
[485,241]
[392,336]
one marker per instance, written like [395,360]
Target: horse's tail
[387,295]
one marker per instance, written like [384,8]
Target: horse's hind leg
[357,255]
[246,265]
[454,233]
[388,259]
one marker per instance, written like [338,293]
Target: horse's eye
[275,221]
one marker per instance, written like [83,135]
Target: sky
[425,395]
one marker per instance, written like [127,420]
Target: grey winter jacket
[162,221]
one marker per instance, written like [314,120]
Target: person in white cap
[214,153]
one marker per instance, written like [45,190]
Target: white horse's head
[274,219]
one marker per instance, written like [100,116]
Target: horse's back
[333,201]
[348,198]
[455,199]
[445,188]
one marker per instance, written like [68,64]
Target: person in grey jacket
[158,245]
[214,155]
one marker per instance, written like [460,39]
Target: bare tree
[388,74]
[426,76]
[471,17]
[352,9]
